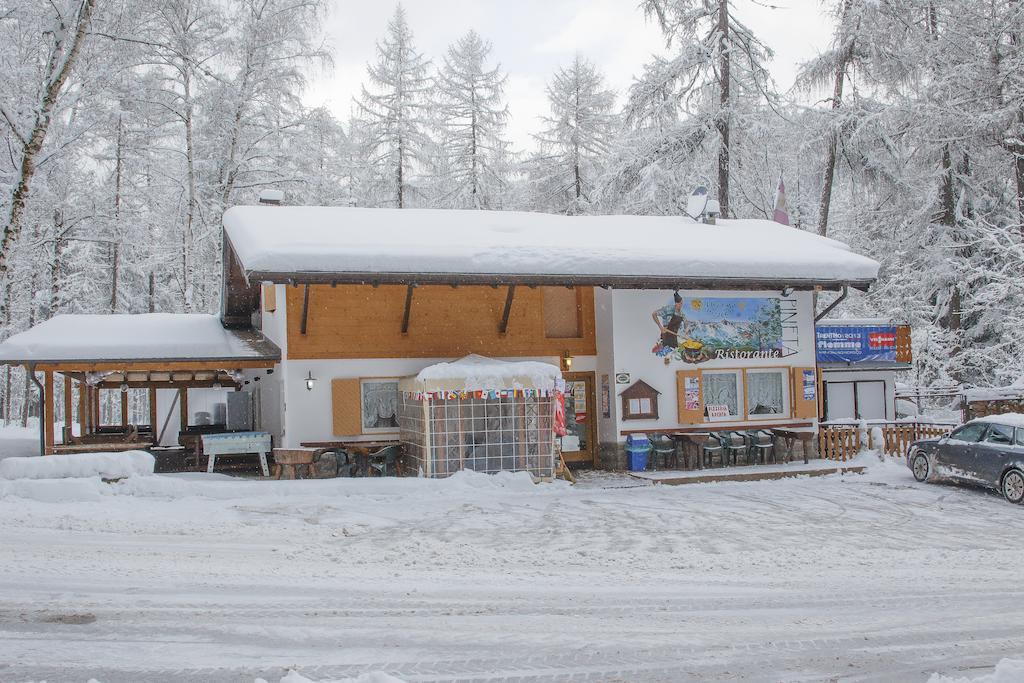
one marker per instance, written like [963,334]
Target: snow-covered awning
[422,246]
[478,373]
[145,338]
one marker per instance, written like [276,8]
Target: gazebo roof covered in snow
[478,373]
[423,246]
[127,339]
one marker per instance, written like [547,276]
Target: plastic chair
[730,448]
[665,448]
[710,447]
[761,442]
[385,460]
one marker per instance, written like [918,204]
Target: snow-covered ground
[204,577]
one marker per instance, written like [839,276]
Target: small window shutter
[345,407]
[269,298]
[561,312]
[805,406]
[693,416]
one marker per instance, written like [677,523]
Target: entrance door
[578,445]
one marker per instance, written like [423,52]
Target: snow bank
[478,373]
[1006,671]
[219,487]
[79,465]
[369,677]
[286,239]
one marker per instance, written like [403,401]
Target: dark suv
[985,452]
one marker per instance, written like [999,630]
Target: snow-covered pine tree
[393,113]
[471,118]
[575,140]
[700,99]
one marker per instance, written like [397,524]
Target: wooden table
[790,435]
[694,440]
[236,443]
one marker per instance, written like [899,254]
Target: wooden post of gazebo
[124,409]
[47,416]
[152,415]
[83,415]
[68,411]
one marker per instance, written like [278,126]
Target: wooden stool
[287,462]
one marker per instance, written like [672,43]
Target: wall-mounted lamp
[786,291]
[310,381]
[566,362]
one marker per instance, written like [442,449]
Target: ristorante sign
[699,329]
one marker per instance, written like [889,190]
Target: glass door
[580,418]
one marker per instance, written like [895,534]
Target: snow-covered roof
[143,337]
[343,244]
[1008,419]
[478,373]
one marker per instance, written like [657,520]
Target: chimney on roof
[271,197]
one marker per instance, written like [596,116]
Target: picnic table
[790,435]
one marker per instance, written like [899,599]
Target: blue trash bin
[637,450]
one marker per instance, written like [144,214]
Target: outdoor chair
[385,461]
[760,443]
[733,444]
[347,466]
[709,448]
[664,448]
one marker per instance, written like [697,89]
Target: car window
[999,434]
[970,433]
[1020,436]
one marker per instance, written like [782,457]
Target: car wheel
[1013,486]
[920,467]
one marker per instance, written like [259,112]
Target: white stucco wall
[887,376]
[308,416]
[634,334]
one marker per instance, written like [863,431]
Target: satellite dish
[697,202]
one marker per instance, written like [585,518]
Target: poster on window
[699,329]
[809,385]
[855,343]
[691,391]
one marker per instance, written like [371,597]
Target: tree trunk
[724,105]
[62,59]
[115,245]
[833,138]
[187,232]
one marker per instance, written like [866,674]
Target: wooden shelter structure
[93,354]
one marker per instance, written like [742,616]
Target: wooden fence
[843,441]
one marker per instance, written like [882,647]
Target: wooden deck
[816,468]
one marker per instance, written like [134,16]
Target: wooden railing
[843,441]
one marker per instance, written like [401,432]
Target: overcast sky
[532,38]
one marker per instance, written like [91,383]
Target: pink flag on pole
[781,215]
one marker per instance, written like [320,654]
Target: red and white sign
[882,340]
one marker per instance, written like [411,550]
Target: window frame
[980,439]
[787,402]
[741,394]
[992,430]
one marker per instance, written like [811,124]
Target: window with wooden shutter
[689,394]
[346,410]
[805,393]
[269,298]
[561,313]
